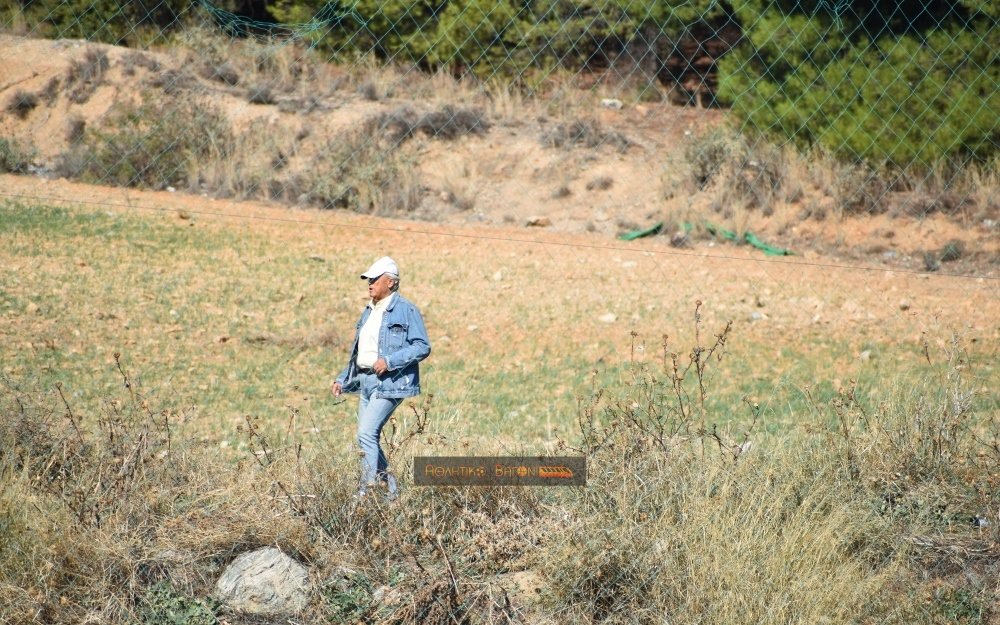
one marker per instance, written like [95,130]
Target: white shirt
[368,337]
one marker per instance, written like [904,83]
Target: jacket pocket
[397,336]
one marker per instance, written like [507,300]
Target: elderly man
[389,342]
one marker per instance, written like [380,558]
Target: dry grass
[285,68]
[681,519]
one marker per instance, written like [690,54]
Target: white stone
[265,582]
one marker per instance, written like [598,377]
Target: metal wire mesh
[835,109]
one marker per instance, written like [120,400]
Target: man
[389,342]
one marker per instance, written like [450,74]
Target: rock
[757,316]
[904,304]
[539,222]
[498,276]
[865,356]
[387,595]
[680,239]
[608,318]
[611,103]
[265,582]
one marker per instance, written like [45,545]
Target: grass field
[219,319]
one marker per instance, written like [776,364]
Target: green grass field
[223,320]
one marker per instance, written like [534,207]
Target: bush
[736,170]
[585,132]
[154,144]
[489,39]
[86,75]
[365,173]
[908,85]
[448,123]
[108,21]
[22,103]
[14,157]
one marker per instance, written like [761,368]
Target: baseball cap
[380,266]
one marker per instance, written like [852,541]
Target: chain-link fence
[743,257]
[895,98]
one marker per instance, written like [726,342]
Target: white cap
[380,266]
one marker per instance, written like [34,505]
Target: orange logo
[555,472]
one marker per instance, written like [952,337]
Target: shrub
[908,86]
[489,39]
[14,157]
[222,72]
[450,122]
[736,170]
[86,75]
[108,21]
[363,172]
[584,132]
[260,94]
[156,143]
[22,103]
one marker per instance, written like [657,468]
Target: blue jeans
[372,415]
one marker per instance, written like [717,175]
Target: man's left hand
[380,366]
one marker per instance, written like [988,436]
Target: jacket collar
[393,298]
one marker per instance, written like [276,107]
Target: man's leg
[372,415]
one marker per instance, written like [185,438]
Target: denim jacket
[402,342]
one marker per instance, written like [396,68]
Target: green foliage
[109,21]
[154,144]
[399,30]
[166,606]
[488,38]
[347,599]
[911,85]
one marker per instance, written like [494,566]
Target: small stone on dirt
[608,318]
[539,222]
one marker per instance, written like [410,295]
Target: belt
[365,370]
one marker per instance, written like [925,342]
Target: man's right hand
[337,389]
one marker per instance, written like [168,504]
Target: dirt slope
[506,176]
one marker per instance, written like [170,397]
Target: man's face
[378,287]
